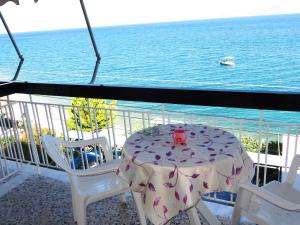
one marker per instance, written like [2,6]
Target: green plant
[274,148]
[251,145]
[24,141]
[81,117]
[9,144]
[36,134]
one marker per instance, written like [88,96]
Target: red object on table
[179,136]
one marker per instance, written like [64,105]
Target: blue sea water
[177,55]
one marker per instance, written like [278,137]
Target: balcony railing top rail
[288,101]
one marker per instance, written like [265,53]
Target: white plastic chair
[90,185]
[273,204]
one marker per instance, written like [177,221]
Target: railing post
[266,154]
[31,139]
[15,131]
[287,153]
[259,145]
[163,113]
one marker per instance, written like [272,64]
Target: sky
[65,14]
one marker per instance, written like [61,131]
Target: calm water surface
[178,55]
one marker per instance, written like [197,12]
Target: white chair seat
[109,166]
[107,184]
[283,190]
[261,211]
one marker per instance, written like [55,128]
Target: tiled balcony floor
[42,200]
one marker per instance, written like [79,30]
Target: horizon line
[153,23]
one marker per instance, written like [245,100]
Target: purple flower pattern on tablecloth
[172,178]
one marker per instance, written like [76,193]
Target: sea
[176,54]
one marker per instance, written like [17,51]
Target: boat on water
[227,61]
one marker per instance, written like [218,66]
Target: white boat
[227,61]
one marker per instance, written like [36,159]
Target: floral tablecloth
[172,178]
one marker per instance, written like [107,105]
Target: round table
[173,177]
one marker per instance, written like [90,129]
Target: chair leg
[243,201]
[193,216]
[81,211]
[139,206]
[123,198]
[73,196]
[207,214]
[236,216]
[74,208]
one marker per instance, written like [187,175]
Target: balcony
[33,190]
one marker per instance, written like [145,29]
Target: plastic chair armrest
[108,167]
[293,169]
[270,197]
[83,143]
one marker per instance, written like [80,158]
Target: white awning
[2,2]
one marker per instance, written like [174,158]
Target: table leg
[139,206]
[207,214]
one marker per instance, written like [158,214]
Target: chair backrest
[52,146]
[102,141]
[293,170]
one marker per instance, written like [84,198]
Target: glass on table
[179,136]
[151,131]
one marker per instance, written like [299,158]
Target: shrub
[274,148]
[251,145]
[24,141]
[81,115]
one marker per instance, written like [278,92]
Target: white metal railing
[23,122]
